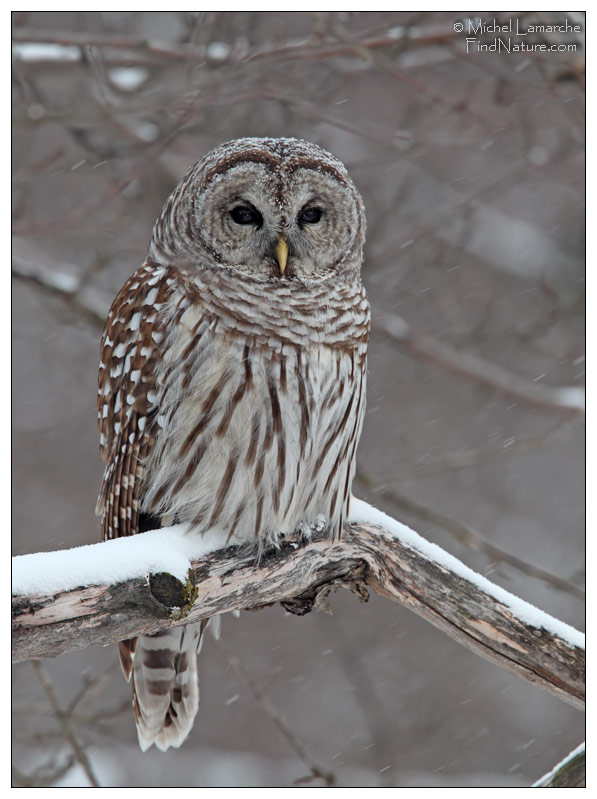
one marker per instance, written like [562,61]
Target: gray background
[471,167]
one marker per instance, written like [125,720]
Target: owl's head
[268,209]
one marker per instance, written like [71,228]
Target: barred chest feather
[260,402]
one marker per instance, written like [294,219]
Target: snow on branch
[103,593]
[569,772]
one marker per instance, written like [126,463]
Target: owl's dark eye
[246,215]
[310,216]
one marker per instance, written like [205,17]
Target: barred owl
[232,378]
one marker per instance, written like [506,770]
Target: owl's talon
[320,523]
[305,532]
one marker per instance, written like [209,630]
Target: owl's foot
[318,526]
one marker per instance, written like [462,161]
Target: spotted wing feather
[127,394]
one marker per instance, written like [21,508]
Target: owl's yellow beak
[282,254]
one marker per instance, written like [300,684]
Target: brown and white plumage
[232,377]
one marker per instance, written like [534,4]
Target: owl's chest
[254,430]
[232,384]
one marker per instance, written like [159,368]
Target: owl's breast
[281,313]
[257,435]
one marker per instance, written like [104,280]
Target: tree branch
[65,724]
[420,36]
[569,773]
[566,399]
[467,535]
[318,772]
[377,553]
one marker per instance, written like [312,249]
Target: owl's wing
[127,394]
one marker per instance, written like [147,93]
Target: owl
[232,378]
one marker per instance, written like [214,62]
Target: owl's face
[273,210]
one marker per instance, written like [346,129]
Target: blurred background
[471,166]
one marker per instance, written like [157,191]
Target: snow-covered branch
[569,772]
[103,593]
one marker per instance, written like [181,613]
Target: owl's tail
[163,668]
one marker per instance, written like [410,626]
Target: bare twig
[44,776]
[317,771]
[359,45]
[30,263]
[384,135]
[65,724]
[141,164]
